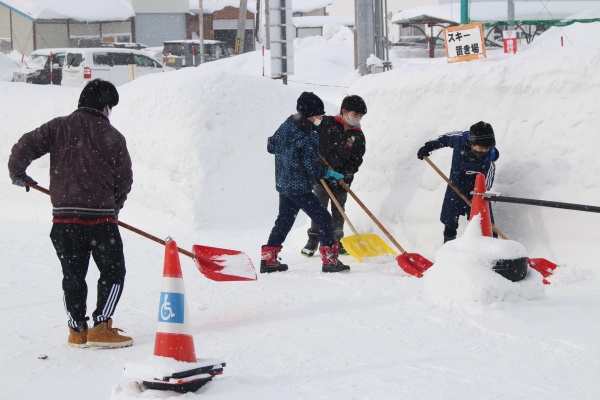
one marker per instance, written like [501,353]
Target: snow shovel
[541,265]
[360,245]
[214,263]
[412,263]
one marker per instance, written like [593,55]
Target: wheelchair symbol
[165,309]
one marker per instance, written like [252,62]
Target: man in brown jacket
[90,177]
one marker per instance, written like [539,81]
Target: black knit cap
[309,105]
[98,94]
[354,103]
[482,134]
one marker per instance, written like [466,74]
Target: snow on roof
[315,21]
[81,10]
[497,11]
[210,6]
[309,5]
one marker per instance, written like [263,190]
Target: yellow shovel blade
[366,245]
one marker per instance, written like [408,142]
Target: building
[28,25]
[220,22]
[160,20]
[311,16]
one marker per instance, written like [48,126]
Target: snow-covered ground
[202,175]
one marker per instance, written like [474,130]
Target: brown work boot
[78,337]
[104,335]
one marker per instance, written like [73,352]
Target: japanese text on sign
[464,42]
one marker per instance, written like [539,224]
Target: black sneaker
[311,246]
[341,250]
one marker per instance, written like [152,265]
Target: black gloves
[22,181]
[424,151]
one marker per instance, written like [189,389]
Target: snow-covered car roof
[46,52]
[206,41]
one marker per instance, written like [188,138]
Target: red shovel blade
[413,264]
[223,264]
[542,266]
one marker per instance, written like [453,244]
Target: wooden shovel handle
[360,203]
[458,192]
[124,225]
[338,205]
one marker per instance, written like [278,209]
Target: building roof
[527,13]
[210,6]
[80,10]
[309,5]
[320,21]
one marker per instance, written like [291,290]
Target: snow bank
[7,66]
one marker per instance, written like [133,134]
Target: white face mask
[352,121]
[109,111]
[317,122]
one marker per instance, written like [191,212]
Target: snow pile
[7,66]
[582,35]
[462,273]
[204,153]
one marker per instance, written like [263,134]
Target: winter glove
[22,181]
[333,175]
[424,151]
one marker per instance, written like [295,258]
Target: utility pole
[281,39]
[241,28]
[267,25]
[378,27]
[257,25]
[201,30]
[364,33]
[511,12]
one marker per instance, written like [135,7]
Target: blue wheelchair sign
[172,308]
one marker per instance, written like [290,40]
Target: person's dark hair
[354,103]
[309,105]
[481,134]
[98,94]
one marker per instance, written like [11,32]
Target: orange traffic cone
[480,206]
[172,334]
[173,340]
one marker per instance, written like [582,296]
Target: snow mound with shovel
[462,274]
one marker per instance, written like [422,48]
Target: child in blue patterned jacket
[296,148]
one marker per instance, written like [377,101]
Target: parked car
[186,53]
[116,65]
[43,67]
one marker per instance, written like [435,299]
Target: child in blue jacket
[474,151]
[296,148]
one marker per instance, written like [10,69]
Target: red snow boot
[329,256]
[269,261]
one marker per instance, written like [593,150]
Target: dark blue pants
[341,196]
[74,243]
[288,211]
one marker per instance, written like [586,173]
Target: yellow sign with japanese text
[464,42]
